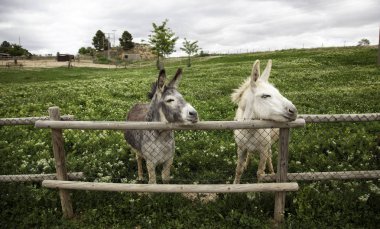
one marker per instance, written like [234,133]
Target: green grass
[317,81]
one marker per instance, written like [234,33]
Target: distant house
[132,57]
[64,57]
[139,52]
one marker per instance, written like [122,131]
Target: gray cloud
[49,26]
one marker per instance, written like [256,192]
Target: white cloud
[49,26]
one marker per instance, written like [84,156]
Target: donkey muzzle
[191,114]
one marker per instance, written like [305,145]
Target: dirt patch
[55,64]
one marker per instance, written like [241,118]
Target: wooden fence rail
[172,188]
[29,120]
[205,125]
[37,177]
[316,176]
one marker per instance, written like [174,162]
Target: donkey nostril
[291,111]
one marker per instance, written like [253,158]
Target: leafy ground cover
[318,81]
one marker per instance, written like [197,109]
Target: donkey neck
[246,107]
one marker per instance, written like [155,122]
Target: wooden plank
[60,163]
[37,177]
[171,188]
[315,176]
[205,125]
[29,120]
[281,176]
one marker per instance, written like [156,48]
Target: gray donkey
[157,146]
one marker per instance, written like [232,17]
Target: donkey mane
[238,93]
[152,90]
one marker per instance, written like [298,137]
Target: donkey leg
[262,162]
[242,157]
[151,167]
[269,162]
[139,166]
[166,171]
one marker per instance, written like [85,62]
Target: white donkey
[258,99]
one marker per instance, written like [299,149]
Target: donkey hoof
[260,176]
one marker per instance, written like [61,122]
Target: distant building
[64,57]
[4,55]
[139,52]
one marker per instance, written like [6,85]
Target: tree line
[162,41]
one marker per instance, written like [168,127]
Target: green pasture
[317,81]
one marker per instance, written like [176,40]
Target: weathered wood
[60,163]
[282,170]
[172,188]
[320,118]
[315,176]
[38,177]
[29,120]
[205,125]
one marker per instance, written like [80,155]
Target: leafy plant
[163,40]
[190,48]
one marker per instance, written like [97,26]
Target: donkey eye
[265,96]
[169,100]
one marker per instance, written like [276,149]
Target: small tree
[100,41]
[82,51]
[13,49]
[363,42]
[86,51]
[126,41]
[5,44]
[190,48]
[163,41]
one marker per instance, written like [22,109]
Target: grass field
[317,81]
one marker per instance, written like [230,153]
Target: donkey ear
[161,79]
[255,72]
[266,73]
[177,77]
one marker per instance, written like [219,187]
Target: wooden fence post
[281,176]
[60,163]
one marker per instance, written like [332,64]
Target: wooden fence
[57,123]
[280,187]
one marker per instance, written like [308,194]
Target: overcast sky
[47,26]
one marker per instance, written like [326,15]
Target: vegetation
[163,40]
[190,48]
[363,42]
[126,41]
[86,51]
[324,81]
[13,49]
[100,42]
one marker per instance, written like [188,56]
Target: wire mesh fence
[329,147]
[326,136]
